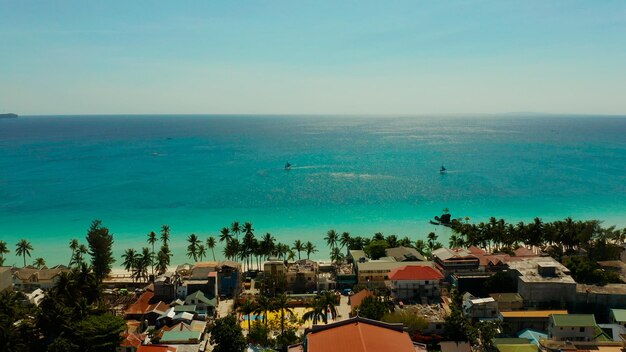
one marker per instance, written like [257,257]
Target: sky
[312,57]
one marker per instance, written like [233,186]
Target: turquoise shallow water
[355,174]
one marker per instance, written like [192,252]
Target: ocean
[359,174]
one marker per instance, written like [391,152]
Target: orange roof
[156,348]
[359,335]
[357,298]
[159,307]
[142,303]
[205,265]
[531,313]
[133,340]
[524,252]
[415,272]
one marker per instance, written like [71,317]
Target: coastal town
[495,287]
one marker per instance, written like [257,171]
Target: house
[455,346]
[572,327]
[165,287]
[208,285]
[229,278]
[156,348]
[480,308]
[301,276]
[404,254]
[355,335]
[450,261]
[6,278]
[131,342]
[356,299]
[138,308]
[374,273]
[618,316]
[29,279]
[204,306]
[543,282]
[181,337]
[414,282]
[508,301]
[534,336]
[516,321]
[357,255]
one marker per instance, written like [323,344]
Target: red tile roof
[359,335]
[415,272]
[156,348]
[133,340]
[357,298]
[142,303]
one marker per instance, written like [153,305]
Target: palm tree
[201,251]
[210,243]
[236,228]
[165,234]
[3,250]
[309,248]
[247,308]
[152,239]
[39,263]
[163,259]
[130,257]
[336,256]
[231,250]
[249,244]
[281,304]
[192,248]
[329,301]
[298,246]
[316,311]
[23,248]
[263,305]
[345,241]
[331,238]
[79,255]
[73,246]
[225,235]
[142,262]
[267,245]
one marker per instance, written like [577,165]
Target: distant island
[8,116]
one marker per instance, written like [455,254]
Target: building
[450,261]
[404,254]
[6,278]
[508,301]
[229,278]
[516,321]
[29,279]
[355,335]
[618,316]
[301,276]
[165,287]
[413,282]
[572,327]
[543,282]
[374,273]
[480,308]
[356,299]
[204,306]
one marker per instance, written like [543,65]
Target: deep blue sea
[357,174]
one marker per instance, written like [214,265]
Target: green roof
[576,320]
[175,336]
[185,308]
[619,314]
[517,348]
[510,341]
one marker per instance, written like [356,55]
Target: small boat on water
[443,170]
[287,166]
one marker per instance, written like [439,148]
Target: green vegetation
[586,271]
[226,335]
[413,322]
[3,250]
[373,308]
[70,318]
[23,248]
[100,243]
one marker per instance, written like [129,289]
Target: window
[582,329]
[426,282]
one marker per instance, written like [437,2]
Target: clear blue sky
[378,57]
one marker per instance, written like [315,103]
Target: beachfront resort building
[450,261]
[30,278]
[415,283]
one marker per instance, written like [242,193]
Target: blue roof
[533,335]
